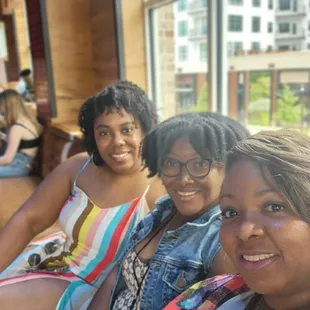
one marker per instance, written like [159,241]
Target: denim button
[155,265]
[173,236]
[144,305]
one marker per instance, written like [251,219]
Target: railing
[300,10]
[197,6]
[197,33]
[300,34]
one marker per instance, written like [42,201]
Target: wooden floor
[13,193]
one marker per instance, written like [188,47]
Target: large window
[235,23]
[183,28]
[236,2]
[178,60]
[255,24]
[261,86]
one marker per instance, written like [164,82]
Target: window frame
[234,22]
[256,19]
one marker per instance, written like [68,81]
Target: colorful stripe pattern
[212,293]
[95,240]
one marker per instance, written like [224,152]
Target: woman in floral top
[266,228]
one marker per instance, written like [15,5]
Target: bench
[59,142]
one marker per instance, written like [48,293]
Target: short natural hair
[211,135]
[123,94]
[285,156]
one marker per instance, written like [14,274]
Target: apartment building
[251,26]
[293,25]
[191,35]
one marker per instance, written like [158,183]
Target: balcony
[299,34]
[198,34]
[301,10]
[198,6]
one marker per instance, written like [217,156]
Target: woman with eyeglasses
[178,243]
[266,228]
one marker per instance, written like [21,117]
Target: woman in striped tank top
[98,198]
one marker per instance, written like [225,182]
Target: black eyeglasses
[196,167]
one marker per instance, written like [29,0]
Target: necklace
[140,283]
[258,304]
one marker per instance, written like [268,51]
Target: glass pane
[293,98]
[260,99]
[180,51]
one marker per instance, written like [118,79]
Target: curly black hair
[123,94]
[211,135]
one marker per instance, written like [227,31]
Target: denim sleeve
[211,244]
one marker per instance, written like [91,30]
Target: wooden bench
[59,142]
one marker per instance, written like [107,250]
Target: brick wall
[166,56]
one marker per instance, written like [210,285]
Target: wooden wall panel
[38,57]
[104,45]
[12,68]
[134,41]
[21,31]
[71,55]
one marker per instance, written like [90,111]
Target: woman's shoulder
[74,164]
[210,293]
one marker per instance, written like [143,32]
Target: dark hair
[211,135]
[284,159]
[123,94]
[25,72]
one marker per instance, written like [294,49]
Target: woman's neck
[298,301]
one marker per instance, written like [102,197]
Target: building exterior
[191,35]
[293,25]
[253,25]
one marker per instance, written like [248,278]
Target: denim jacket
[183,257]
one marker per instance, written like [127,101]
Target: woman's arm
[13,140]
[102,298]
[39,212]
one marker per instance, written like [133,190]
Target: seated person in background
[178,242]
[98,197]
[23,136]
[25,85]
[266,228]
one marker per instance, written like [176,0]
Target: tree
[260,88]
[202,102]
[259,99]
[288,109]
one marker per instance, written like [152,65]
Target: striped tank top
[93,241]
[96,237]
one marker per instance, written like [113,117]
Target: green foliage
[259,118]
[287,110]
[260,88]
[202,102]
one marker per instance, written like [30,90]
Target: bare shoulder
[70,167]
